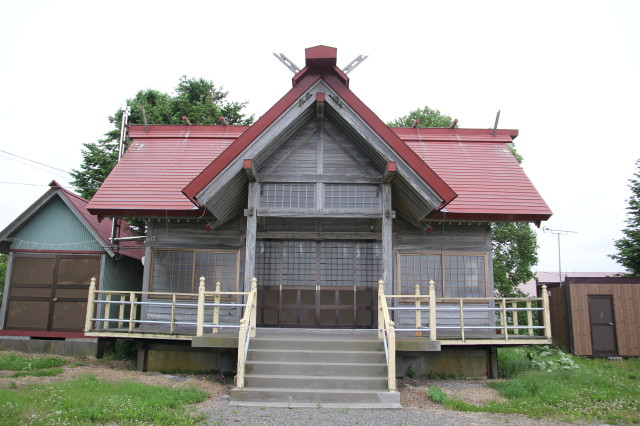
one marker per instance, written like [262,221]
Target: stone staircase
[316,368]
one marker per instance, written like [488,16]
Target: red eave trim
[36,333]
[516,217]
[126,212]
[56,251]
[416,163]
[240,144]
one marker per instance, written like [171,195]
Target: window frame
[443,272]
[209,286]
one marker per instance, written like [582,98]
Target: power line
[34,161]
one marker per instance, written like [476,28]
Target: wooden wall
[626,306]
[559,316]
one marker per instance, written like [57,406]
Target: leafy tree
[514,245]
[3,273]
[628,247]
[197,99]
[428,118]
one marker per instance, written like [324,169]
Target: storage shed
[596,316]
[55,247]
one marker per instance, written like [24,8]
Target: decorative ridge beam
[389,172]
[320,106]
[249,170]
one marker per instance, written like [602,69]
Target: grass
[13,362]
[88,400]
[39,373]
[559,386]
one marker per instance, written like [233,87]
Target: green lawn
[555,385]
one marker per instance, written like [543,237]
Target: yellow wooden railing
[386,333]
[247,331]
[508,324]
[117,311]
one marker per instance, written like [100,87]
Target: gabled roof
[320,65]
[100,230]
[472,173]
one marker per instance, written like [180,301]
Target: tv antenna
[558,232]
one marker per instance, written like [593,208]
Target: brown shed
[596,316]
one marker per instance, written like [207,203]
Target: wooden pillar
[90,305]
[546,313]
[250,241]
[387,239]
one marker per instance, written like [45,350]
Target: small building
[55,248]
[529,288]
[596,316]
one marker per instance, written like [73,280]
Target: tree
[428,118]
[197,99]
[514,245]
[628,247]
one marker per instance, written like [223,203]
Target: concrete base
[178,356]
[81,348]
[461,362]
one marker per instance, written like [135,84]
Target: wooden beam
[389,172]
[333,213]
[387,239]
[316,178]
[249,170]
[250,241]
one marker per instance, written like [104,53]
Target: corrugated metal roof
[481,169]
[150,177]
[478,166]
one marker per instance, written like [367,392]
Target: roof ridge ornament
[287,62]
[353,64]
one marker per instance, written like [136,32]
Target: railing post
[418,313]
[216,309]
[132,310]
[173,314]
[529,318]
[107,310]
[90,305]
[121,311]
[242,338]
[545,313]
[432,311]
[462,319]
[503,318]
[380,313]
[514,314]
[254,306]
[200,314]
[391,367]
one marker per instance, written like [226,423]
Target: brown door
[327,284]
[49,292]
[603,329]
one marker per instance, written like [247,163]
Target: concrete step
[313,344]
[316,368]
[293,397]
[303,355]
[314,382]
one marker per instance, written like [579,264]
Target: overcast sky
[566,74]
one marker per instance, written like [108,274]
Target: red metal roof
[480,168]
[149,179]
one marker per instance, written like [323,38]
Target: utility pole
[558,232]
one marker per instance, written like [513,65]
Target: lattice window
[179,271]
[340,263]
[352,196]
[464,275]
[286,195]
